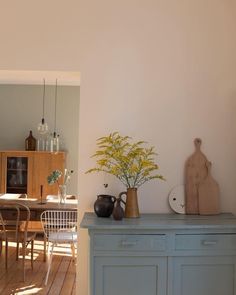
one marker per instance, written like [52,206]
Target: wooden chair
[2,232]
[60,227]
[17,231]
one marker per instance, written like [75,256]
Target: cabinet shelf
[17,190]
[17,169]
[17,187]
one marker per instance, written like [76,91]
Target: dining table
[37,206]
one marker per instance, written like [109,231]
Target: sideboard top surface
[160,221]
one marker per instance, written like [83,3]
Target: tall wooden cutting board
[209,195]
[195,173]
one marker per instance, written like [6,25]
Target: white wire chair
[60,227]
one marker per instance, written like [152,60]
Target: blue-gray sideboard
[162,254]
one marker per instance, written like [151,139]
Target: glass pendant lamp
[55,112]
[54,145]
[43,126]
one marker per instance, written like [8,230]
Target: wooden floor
[61,278]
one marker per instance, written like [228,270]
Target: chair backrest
[54,221]
[11,216]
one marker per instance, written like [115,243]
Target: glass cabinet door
[17,173]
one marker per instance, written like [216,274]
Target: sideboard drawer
[205,242]
[130,242]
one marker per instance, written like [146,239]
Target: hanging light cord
[43,100]
[55,111]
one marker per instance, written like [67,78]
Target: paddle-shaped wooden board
[195,173]
[209,195]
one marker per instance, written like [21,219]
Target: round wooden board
[177,199]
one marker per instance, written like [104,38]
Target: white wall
[162,71]
[165,72]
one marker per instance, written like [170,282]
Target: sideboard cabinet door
[204,275]
[130,276]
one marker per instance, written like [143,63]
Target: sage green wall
[21,111]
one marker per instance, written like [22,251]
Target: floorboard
[61,279]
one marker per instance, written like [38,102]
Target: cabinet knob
[209,243]
[125,243]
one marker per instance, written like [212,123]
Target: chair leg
[72,245]
[1,242]
[32,254]
[23,260]
[6,253]
[50,262]
[44,248]
[17,250]
[48,247]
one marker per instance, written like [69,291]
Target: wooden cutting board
[195,173]
[209,195]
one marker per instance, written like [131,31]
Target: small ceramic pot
[118,212]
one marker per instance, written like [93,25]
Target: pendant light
[55,135]
[43,126]
[55,112]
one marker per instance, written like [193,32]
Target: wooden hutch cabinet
[24,172]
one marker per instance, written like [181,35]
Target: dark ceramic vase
[104,205]
[118,212]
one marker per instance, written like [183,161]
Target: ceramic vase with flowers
[62,185]
[131,162]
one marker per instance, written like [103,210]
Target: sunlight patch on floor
[27,290]
[61,250]
[62,272]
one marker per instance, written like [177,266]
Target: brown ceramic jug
[131,204]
